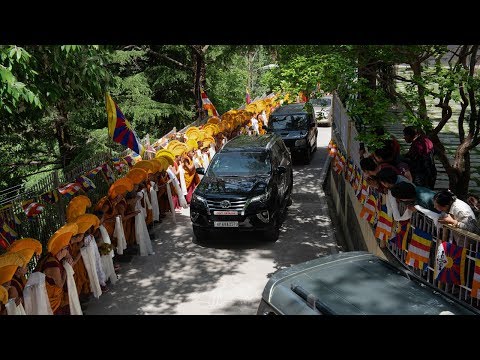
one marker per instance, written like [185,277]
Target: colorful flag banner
[129,160]
[383,230]
[476,278]
[86,183]
[95,171]
[419,249]
[369,209]
[69,189]
[32,209]
[450,263]
[119,128]
[207,105]
[402,233]
[119,164]
[50,197]
[107,171]
[7,232]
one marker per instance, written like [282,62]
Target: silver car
[323,110]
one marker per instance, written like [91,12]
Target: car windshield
[321,102]
[289,122]
[240,164]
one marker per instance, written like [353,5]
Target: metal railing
[345,130]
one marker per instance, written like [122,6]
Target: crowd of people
[410,179]
[84,256]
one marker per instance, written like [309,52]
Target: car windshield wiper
[311,300]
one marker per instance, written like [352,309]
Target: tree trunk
[199,69]
[63,137]
[422,105]
[386,74]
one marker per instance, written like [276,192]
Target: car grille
[236,205]
[289,143]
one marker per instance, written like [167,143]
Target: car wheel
[272,234]
[289,201]
[308,156]
[200,234]
[315,146]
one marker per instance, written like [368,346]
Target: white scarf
[119,234]
[181,199]
[106,238]
[107,264]
[98,263]
[182,180]
[206,160]
[155,208]
[35,295]
[212,151]
[88,257]
[141,231]
[13,309]
[74,302]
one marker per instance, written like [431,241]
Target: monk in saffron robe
[82,281]
[191,176]
[55,275]
[162,195]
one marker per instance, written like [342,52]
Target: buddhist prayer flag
[107,171]
[476,278]
[129,160]
[369,209]
[419,249]
[86,183]
[450,263]
[50,197]
[118,164]
[119,128]
[383,230]
[95,171]
[207,105]
[69,189]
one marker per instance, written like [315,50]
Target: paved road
[226,275]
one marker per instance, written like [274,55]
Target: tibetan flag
[207,105]
[247,97]
[86,183]
[129,160]
[383,230]
[119,128]
[450,263]
[419,249]
[476,278]
[7,232]
[402,234]
[69,189]
[50,197]
[32,209]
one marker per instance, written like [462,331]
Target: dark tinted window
[321,102]
[289,122]
[240,164]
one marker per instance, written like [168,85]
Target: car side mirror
[281,170]
[200,171]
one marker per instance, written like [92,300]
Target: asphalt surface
[227,274]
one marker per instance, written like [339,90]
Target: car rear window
[289,122]
[240,164]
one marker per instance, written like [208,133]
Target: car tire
[200,234]
[315,146]
[272,234]
[289,201]
[308,156]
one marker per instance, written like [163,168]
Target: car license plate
[225,212]
[225,223]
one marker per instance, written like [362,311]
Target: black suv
[247,186]
[296,124]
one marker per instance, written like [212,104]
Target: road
[225,275]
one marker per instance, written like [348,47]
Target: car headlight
[301,142]
[263,198]
[199,200]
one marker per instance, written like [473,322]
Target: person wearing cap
[9,263]
[55,275]
[27,247]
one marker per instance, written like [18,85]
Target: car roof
[357,283]
[298,108]
[250,143]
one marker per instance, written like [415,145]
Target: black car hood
[291,134]
[231,186]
